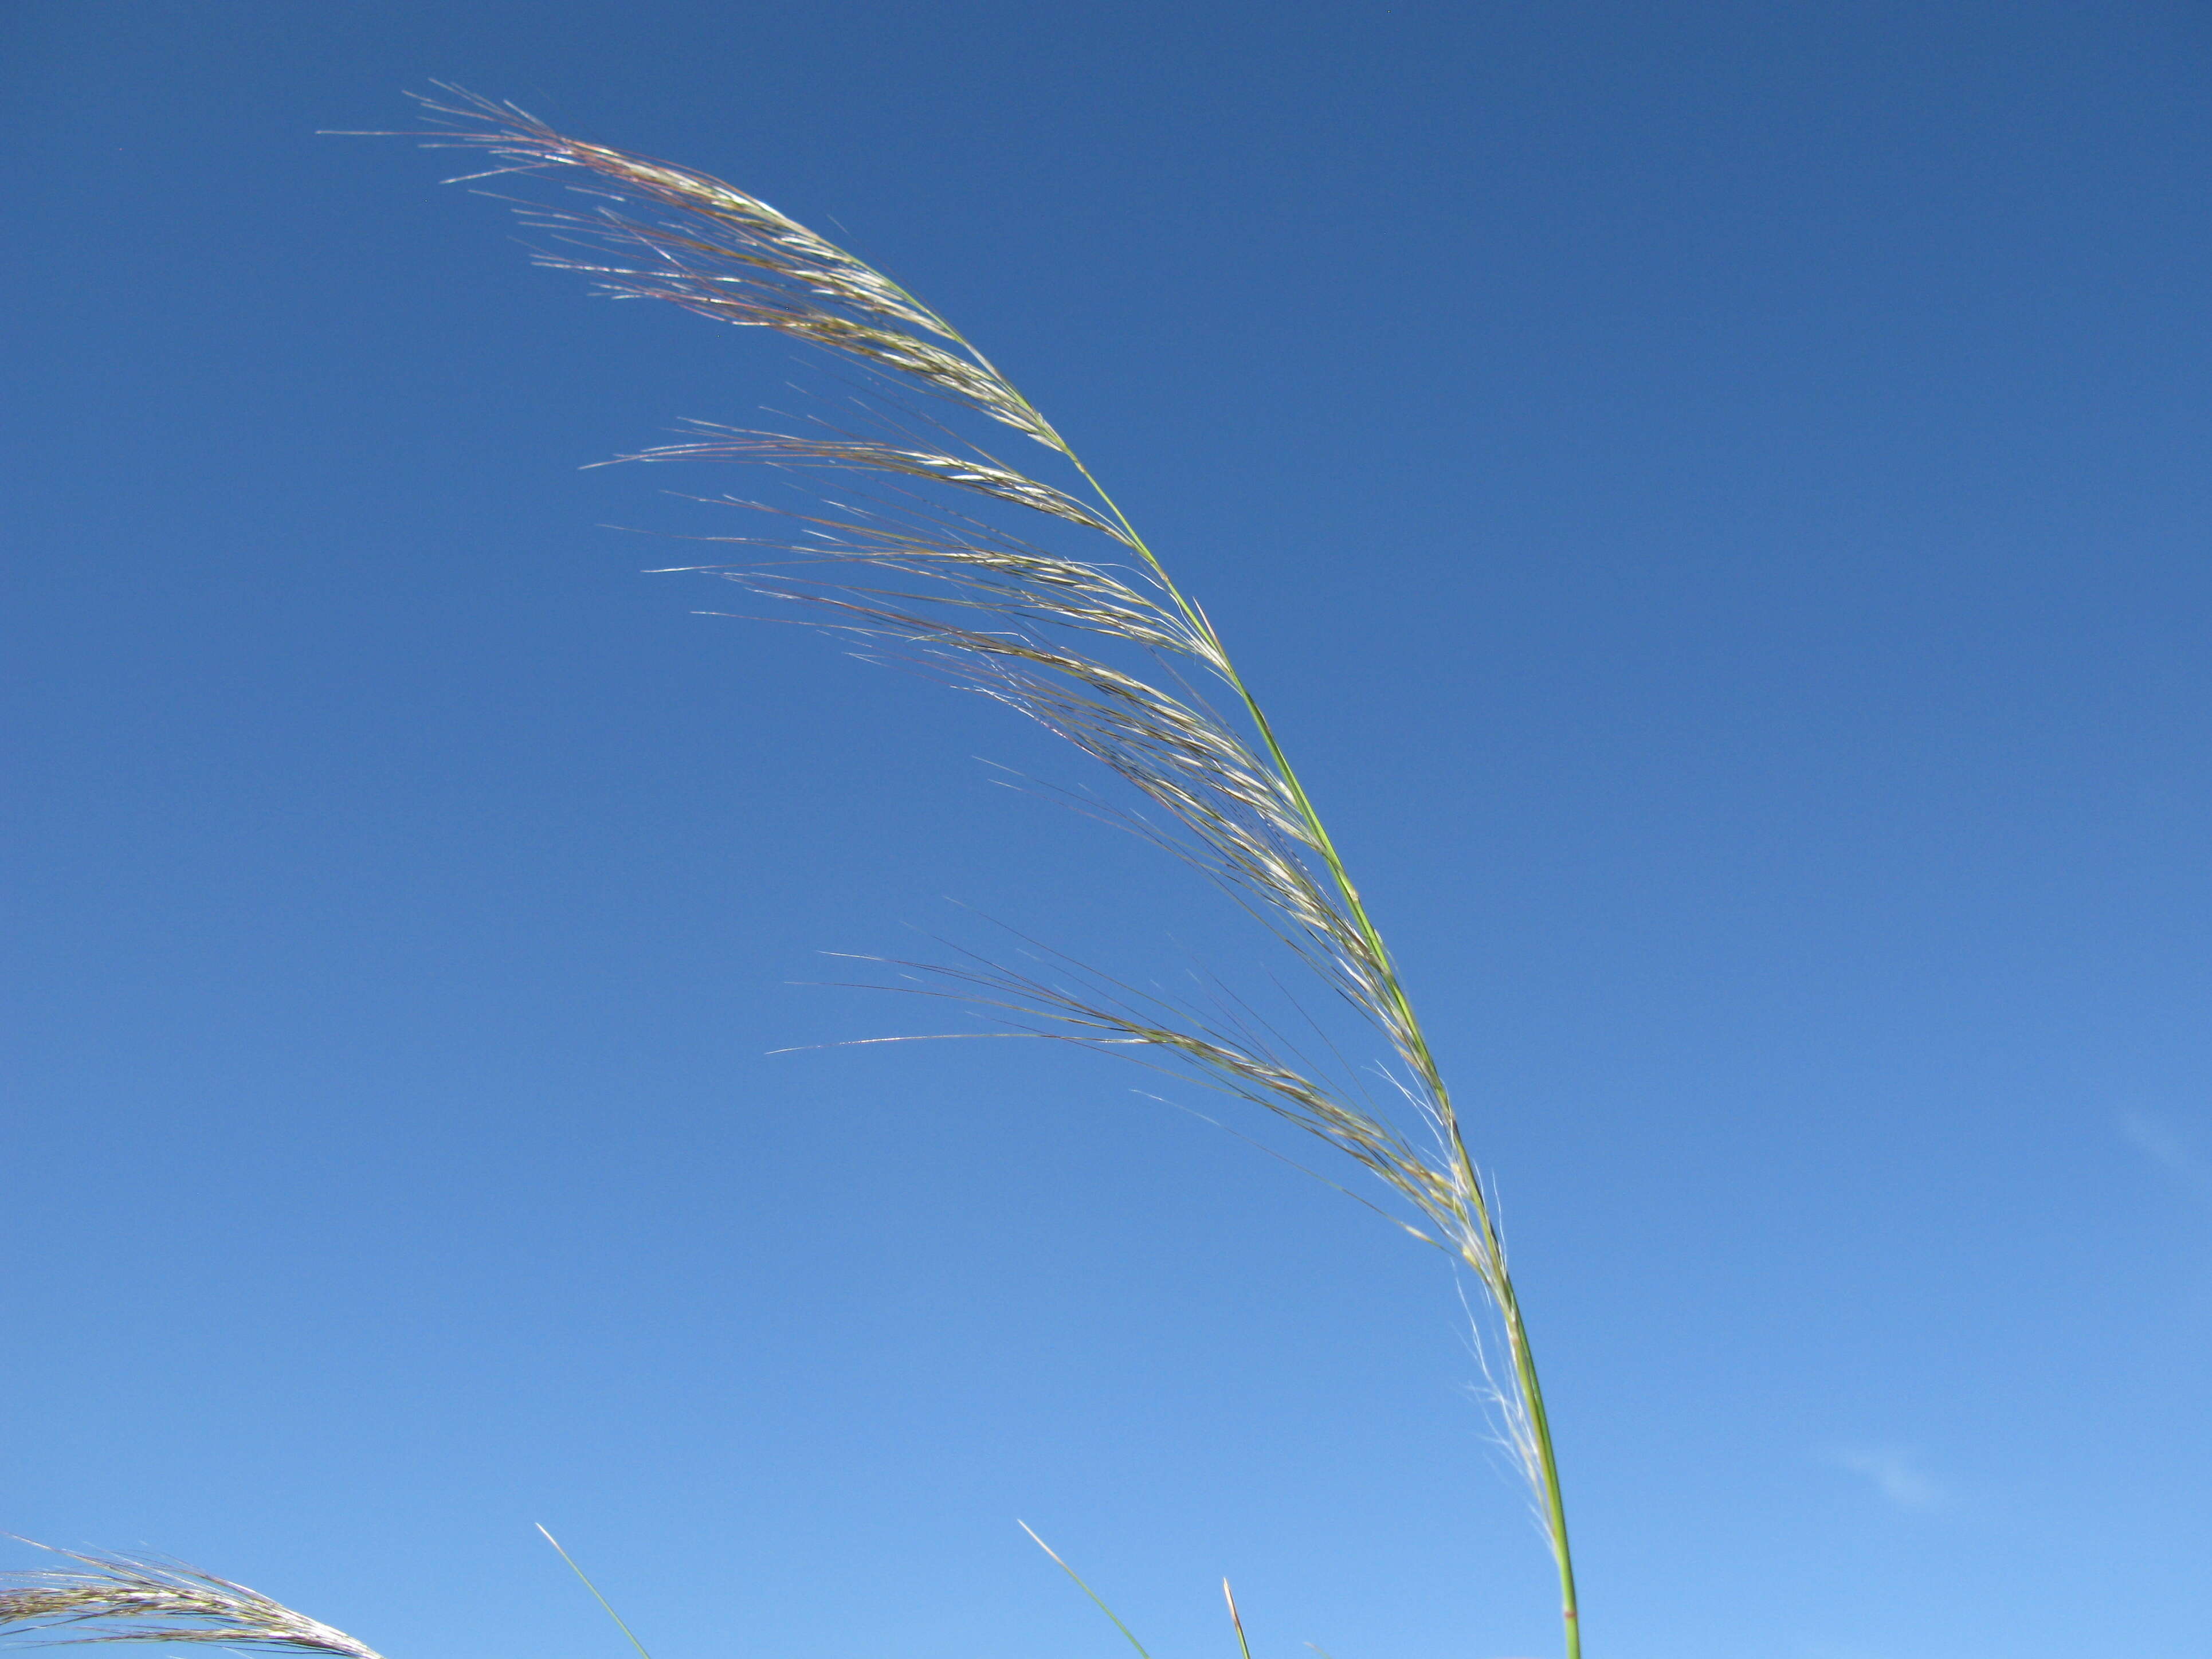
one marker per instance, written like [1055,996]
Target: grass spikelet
[661,232]
[112,1598]
[1097,644]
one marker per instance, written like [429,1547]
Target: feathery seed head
[963,599]
[118,1599]
[697,242]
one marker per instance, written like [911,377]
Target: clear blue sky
[1715,497]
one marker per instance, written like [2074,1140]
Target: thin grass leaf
[1085,1588]
[1229,1595]
[594,1589]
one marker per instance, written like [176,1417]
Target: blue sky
[1714,497]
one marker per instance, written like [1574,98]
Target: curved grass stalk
[952,592]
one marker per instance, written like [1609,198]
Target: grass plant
[111,1598]
[915,560]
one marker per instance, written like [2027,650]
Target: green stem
[1474,1208]
[1539,1430]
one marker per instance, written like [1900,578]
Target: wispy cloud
[1893,1475]
[2169,1148]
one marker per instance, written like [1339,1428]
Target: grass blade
[1085,1588]
[1230,1596]
[595,1589]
